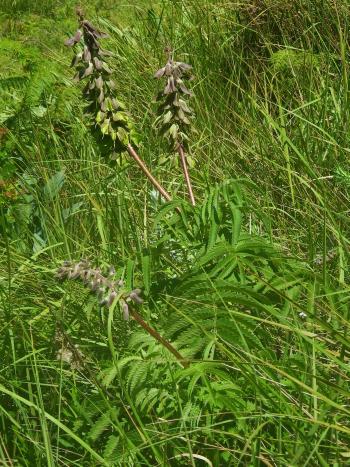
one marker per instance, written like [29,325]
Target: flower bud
[99,82]
[87,54]
[98,63]
[88,71]
[134,295]
[111,298]
[125,310]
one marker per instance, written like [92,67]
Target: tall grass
[250,285]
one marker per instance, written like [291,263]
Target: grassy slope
[266,387]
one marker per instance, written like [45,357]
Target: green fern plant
[27,97]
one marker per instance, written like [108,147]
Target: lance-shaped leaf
[167,117]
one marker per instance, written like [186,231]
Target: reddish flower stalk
[148,174]
[159,338]
[182,155]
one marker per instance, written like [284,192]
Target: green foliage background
[251,285]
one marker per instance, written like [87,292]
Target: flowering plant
[90,62]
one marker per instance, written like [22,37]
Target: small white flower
[302,315]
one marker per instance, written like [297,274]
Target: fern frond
[13,83]
[137,375]
[111,447]
[99,427]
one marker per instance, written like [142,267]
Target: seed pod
[75,272]
[88,71]
[100,97]
[106,68]
[104,108]
[134,295]
[61,273]
[78,35]
[77,76]
[168,69]
[170,87]
[99,82]
[111,298]
[69,42]
[87,54]
[65,355]
[185,90]
[75,39]
[125,309]
[98,63]
[159,73]
[184,66]
[88,274]
[115,104]
[83,274]
[95,283]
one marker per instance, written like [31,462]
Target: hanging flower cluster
[90,62]
[174,114]
[107,289]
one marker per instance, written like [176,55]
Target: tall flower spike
[174,114]
[108,112]
[105,288]
[90,62]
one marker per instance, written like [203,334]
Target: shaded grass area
[250,285]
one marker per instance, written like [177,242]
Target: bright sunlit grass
[239,353]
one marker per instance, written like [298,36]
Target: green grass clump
[239,351]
